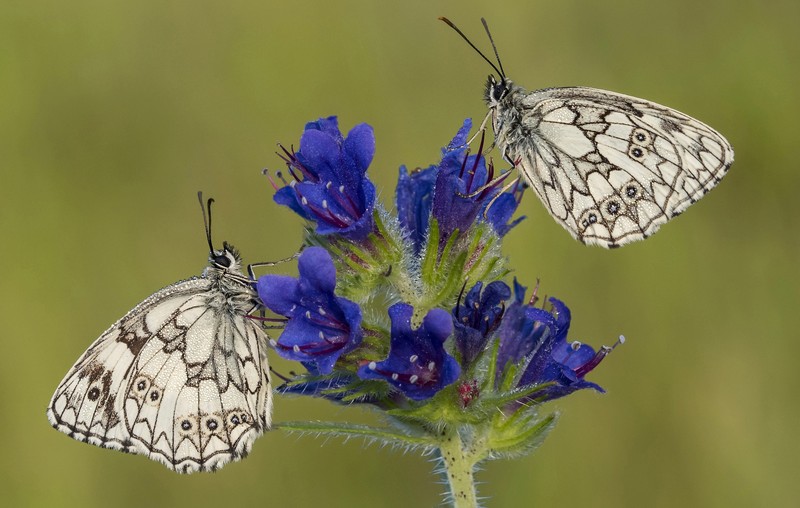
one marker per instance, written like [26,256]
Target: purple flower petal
[330,185]
[417,364]
[321,326]
[478,317]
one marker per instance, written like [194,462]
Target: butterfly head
[496,90]
[227,259]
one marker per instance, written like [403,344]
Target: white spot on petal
[296,348]
[304,201]
[321,311]
[395,376]
[373,365]
[431,365]
[413,379]
[575,345]
[413,358]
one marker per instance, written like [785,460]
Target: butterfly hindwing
[610,168]
[182,378]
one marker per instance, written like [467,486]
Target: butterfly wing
[610,168]
[181,379]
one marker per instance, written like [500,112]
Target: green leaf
[382,435]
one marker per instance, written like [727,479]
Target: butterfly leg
[482,129]
[505,189]
[251,266]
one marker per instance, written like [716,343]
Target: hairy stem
[459,462]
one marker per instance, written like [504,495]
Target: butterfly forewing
[610,168]
[182,378]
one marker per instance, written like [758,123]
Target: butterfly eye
[222,261]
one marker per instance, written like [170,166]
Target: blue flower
[329,185]
[413,201]
[457,192]
[477,317]
[417,364]
[314,384]
[321,326]
[539,338]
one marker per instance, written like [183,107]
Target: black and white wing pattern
[182,378]
[608,167]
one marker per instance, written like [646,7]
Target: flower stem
[459,462]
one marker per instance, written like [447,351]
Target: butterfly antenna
[206,218]
[459,32]
[496,54]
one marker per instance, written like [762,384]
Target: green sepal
[519,434]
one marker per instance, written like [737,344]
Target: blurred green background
[114,114]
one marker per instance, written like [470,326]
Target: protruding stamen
[535,294]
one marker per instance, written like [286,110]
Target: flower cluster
[408,311]
[441,333]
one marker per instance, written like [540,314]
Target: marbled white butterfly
[610,168]
[182,378]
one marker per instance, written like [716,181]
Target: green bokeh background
[114,114]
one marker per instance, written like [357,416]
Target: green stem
[459,463]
